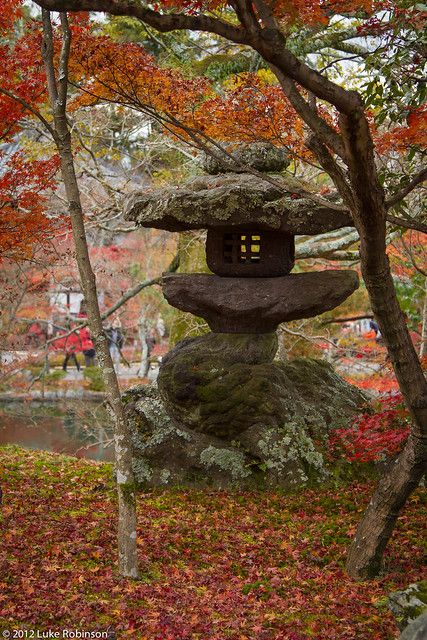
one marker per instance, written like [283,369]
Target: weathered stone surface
[231,348]
[227,423]
[224,391]
[408,604]
[257,305]
[417,630]
[262,156]
[165,453]
[233,200]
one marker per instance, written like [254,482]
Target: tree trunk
[404,474]
[127,547]
[363,195]
[423,345]
[374,531]
[399,482]
[142,330]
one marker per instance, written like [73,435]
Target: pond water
[73,427]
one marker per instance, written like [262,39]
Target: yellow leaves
[267,77]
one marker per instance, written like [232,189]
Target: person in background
[374,327]
[35,336]
[72,346]
[115,338]
[87,347]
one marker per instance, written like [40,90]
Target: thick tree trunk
[376,526]
[404,474]
[127,547]
[374,531]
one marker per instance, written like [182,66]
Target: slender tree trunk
[127,547]
[374,531]
[423,346]
[142,330]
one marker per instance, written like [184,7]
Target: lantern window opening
[243,248]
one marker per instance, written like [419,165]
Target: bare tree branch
[407,223]
[417,180]
[368,316]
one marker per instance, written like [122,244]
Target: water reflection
[73,427]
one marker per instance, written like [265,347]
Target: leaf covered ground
[214,565]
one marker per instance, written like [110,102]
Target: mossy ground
[214,565]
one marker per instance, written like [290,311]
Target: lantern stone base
[258,305]
[225,415]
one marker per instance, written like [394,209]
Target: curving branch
[407,223]
[416,181]
[163,22]
[309,113]
[268,42]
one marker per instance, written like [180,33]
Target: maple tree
[23,194]
[347,143]
[374,436]
[340,137]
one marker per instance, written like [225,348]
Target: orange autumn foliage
[23,197]
[289,12]
[126,74]
[408,251]
[10,11]
[250,111]
[400,138]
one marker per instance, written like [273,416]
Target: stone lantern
[251,225]
[224,385]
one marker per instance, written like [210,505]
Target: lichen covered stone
[409,604]
[416,630]
[220,422]
[262,156]
[234,200]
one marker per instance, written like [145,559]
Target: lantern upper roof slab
[236,200]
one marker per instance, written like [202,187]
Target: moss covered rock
[224,384]
[407,605]
[221,422]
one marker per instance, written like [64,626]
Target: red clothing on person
[58,343]
[35,330]
[86,340]
[73,343]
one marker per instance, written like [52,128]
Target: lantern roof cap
[235,158]
[277,202]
